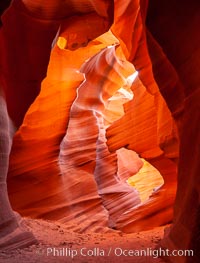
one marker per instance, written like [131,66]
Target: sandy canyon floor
[59,243]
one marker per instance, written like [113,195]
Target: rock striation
[93,87]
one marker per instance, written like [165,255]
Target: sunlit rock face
[98,86]
[73,135]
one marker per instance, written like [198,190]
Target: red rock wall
[94,170]
[180,53]
[62,143]
[40,147]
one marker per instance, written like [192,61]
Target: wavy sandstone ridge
[80,114]
[98,86]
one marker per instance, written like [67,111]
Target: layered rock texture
[102,95]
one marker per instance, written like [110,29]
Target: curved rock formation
[183,99]
[76,170]
[12,234]
[152,134]
[71,154]
[21,81]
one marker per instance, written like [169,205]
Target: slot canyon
[99,127]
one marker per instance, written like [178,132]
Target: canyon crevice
[96,95]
